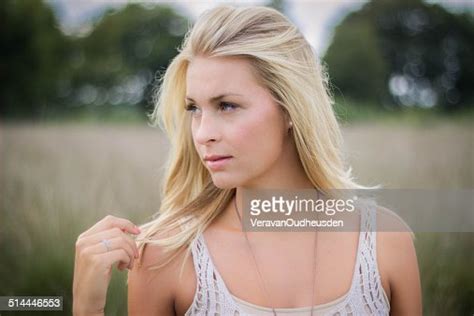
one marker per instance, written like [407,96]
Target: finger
[110,221]
[122,266]
[109,234]
[108,259]
[114,244]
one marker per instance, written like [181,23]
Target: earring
[291,124]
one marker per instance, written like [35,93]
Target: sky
[315,18]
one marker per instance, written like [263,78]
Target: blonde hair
[283,62]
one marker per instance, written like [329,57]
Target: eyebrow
[213,99]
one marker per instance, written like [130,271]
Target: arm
[151,292]
[398,255]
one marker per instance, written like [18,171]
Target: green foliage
[350,111]
[116,63]
[420,49]
[31,58]
[404,52]
[446,293]
[355,61]
[46,74]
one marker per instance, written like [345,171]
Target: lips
[217,162]
[215,157]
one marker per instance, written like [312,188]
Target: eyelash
[191,107]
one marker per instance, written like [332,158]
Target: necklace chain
[258,271]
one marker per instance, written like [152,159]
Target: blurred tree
[43,72]
[404,52]
[116,63]
[355,60]
[279,5]
[31,58]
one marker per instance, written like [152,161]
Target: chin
[224,182]
[224,185]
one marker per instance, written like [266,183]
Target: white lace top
[366,295]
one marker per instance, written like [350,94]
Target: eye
[190,108]
[224,106]
[227,106]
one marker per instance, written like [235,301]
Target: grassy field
[57,180]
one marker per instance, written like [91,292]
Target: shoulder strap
[370,282]
[199,260]
[212,296]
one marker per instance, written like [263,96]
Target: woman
[245,105]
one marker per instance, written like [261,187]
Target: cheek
[259,140]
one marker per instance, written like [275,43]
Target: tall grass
[58,180]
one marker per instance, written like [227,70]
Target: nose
[206,129]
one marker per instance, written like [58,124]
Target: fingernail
[137,229]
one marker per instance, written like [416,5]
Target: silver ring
[106,243]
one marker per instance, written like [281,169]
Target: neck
[287,173]
[229,220]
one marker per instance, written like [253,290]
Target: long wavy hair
[283,62]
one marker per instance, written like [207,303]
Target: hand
[94,260]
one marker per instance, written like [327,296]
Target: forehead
[207,75]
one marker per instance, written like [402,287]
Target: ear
[288,120]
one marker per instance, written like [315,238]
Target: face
[232,116]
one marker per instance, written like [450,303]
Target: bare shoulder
[398,264]
[152,292]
